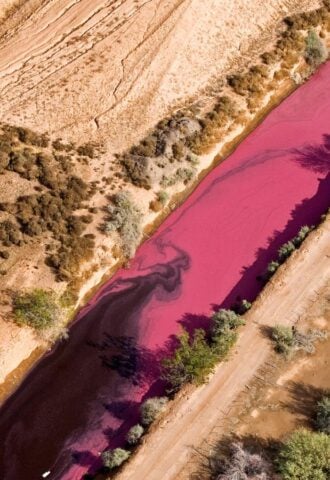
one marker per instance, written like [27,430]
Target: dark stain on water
[99,361]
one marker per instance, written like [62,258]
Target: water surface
[84,395]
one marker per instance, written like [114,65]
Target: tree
[134,434]
[151,409]
[191,361]
[323,415]
[316,52]
[305,456]
[114,458]
[284,338]
[37,308]
[224,324]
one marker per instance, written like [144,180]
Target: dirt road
[168,449]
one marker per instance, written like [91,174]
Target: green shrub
[191,361]
[183,175]
[284,338]
[134,434]
[323,415]
[302,234]
[316,52]
[151,409]
[37,309]
[114,458]
[195,357]
[162,197]
[305,456]
[272,267]
[286,250]
[224,321]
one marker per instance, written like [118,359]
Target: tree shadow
[84,458]
[303,401]
[191,321]
[266,331]
[130,360]
[120,409]
[314,157]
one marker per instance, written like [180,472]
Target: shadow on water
[64,396]
[314,157]
[308,212]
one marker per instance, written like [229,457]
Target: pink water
[206,254]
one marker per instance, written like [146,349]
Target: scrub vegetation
[302,455]
[286,250]
[289,340]
[50,212]
[37,309]
[114,458]
[125,218]
[322,420]
[305,456]
[151,409]
[175,143]
[134,434]
[196,355]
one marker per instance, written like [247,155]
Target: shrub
[316,52]
[114,458]
[302,234]
[272,267]
[284,338]
[323,415]
[286,250]
[37,309]
[183,175]
[305,456]
[10,233]
[87,150]
[31,138]
[242,306]
[243,465]
[134,434]
[224,321]
[191,361]
[125,218]
[151,409]
[162,197]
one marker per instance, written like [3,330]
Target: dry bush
[125,218]
[243,465]
[51,210]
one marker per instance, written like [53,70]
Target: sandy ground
[169,447]
[90,69]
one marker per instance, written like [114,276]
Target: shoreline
[193,401]
[15,377]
